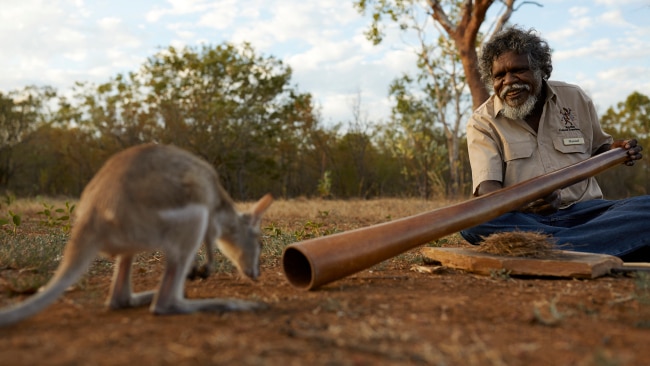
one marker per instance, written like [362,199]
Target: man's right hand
[544,206]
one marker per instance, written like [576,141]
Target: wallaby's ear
[261,206]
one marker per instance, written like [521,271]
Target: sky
[601,45]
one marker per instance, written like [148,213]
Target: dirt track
[387,316]
[390,314]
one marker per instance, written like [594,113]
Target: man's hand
[633,150]
[544,206]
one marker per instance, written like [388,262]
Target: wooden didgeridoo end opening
[297,268]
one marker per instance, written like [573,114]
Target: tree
[628,119]
[225,103]
[232,107]
[359,153]
[461,20]
[21,112]
[117,112]
[293,142]
[416,141]
[56,161]
[464,31]
[443,88]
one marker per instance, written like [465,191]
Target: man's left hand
[633,150]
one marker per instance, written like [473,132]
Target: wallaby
[154,197]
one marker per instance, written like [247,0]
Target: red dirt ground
[392,314]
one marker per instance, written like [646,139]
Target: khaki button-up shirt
[510,151]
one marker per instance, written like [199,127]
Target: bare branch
[441,17]
[507,13]
[503,19]
[529,2]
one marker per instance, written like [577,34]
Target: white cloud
[626,74]
[58,42]
[67,36]
[109,23]
[578,11]
[631,49]
[620,2]
[620,83]
[154,15]
[560,36]
[614,18]
[180,7]
[219,16]
[76,55]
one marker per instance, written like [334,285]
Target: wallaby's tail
[77,257]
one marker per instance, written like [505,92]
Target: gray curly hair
[520,41]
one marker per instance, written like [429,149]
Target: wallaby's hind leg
[205,270]
[122,295]
[189,228]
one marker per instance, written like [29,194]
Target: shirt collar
[550,92]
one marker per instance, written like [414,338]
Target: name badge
[574,141]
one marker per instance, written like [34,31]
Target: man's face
[514,82]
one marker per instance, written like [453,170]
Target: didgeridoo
[315,262]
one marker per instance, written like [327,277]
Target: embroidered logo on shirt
[568,117]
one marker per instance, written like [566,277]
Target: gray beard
[521,111]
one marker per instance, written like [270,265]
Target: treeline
[237,110]
[240,112]
[628,119]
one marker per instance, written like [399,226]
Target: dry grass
[295,210]
[30,206]
[519,244]
[363,212]
[286,222]
[295,220]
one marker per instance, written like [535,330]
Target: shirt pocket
[517,150]
[568,145]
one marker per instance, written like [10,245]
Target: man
[531,126]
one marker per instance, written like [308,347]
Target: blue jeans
[618,227]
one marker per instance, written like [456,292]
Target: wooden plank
[565,264]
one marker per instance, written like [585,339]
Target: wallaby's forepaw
[196,272]
[208,305]
[226,305]
[132,301]
[242,305]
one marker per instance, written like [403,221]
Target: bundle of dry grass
[519,244]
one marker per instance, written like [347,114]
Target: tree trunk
[464,33]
